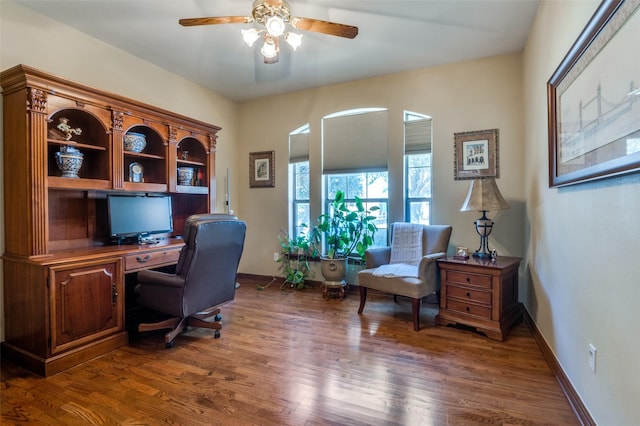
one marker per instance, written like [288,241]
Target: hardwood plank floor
[293,358]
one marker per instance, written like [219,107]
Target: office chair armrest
[158,278]
[377,256]
[428,268]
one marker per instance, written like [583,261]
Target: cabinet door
[86,302]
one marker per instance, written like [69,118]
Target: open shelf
[76,145]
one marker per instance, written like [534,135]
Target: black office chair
[204,279]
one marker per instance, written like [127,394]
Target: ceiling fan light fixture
[294,39]
[250,36]
[269,48]
[275,26]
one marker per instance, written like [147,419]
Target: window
[300,177]
[355,151]
[371,187]
[417,171]
[299,172]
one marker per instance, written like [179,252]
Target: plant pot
[333,271]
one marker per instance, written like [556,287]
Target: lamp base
[480,255]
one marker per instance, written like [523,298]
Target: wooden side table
[480,293]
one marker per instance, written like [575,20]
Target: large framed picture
[594,99]
[476,154]
[262,169]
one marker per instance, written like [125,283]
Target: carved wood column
[117,171]
[172,158]
[211,158]
[36,142]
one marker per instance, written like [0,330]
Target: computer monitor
[139,217]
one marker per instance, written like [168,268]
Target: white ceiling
[393,36]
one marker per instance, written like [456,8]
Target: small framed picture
[476,154]
[262,169]
[462,253]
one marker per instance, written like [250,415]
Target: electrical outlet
[593,352]
[276,256]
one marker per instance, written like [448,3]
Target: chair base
[209,318]
[415,307]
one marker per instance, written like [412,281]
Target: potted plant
[346,231]
[294,259]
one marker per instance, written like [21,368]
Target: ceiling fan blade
[325,27]
[189,22]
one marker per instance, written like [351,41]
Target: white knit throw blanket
[395,270]
[406,243]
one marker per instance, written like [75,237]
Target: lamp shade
[484,195]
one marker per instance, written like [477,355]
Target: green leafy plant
[346,230]
[294,259]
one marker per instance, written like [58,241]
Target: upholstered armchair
[204,279]
[408,267]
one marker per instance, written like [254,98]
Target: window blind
[298,148]
[417,136]
[355,143]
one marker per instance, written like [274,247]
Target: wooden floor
[293,358]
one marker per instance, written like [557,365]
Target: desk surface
[89,253]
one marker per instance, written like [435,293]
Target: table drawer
[468,308]
[145,260]
[477,296]
[469,279]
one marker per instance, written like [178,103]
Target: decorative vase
[185,175]
[69,160]
[333,270]
[134,142]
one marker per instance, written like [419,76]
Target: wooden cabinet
[84,302]
[63,281]
[480,293]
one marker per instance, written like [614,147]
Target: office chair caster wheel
[168,345]
[216,334]
[218,317]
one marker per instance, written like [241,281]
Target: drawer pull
[468,294]
[468,279]
[468,309]
[144,259]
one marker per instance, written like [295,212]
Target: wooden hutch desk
[64,287]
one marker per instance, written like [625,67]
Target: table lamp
[484,196]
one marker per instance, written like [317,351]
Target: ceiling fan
[272,17]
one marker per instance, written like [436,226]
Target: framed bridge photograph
[593,99]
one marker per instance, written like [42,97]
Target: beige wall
[466,96]
[584,242]
[31,39]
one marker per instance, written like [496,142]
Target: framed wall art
[262,169]
[476,154]
[593,99]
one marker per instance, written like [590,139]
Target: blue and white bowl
[134,142]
